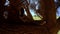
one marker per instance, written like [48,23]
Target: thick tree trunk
[50,15]
[2,9]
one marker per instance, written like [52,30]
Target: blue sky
[58,13]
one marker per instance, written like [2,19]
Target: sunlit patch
[36,17]
[57,17]
[58,32]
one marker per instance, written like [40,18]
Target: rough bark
[2,9]
[50,15]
